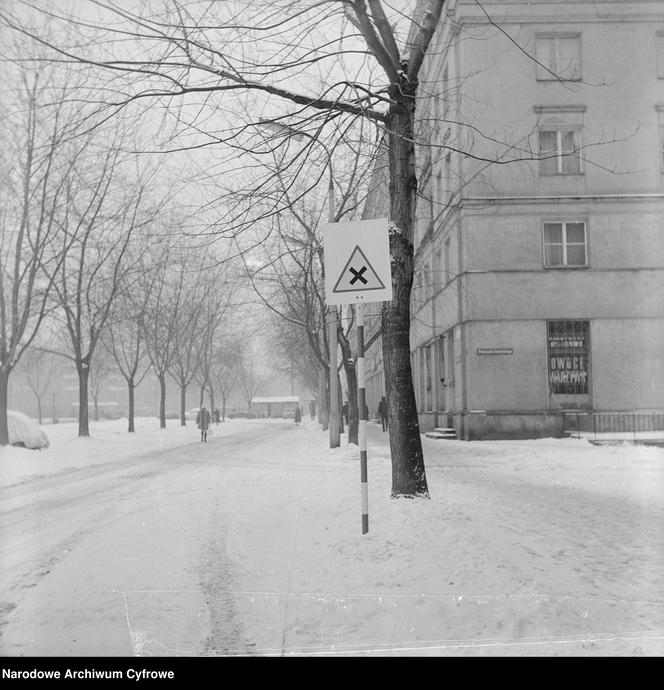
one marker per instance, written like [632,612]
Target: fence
[621,423]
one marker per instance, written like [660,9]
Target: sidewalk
[535,547]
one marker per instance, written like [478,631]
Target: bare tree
[100,371]
[36,124]
[251,372]
[297,61]
[124,339]
[40,371]
[160,315]
[292,355]
[105,204]
[224,363]
[172,320]
[290,277]
[190,327]
[125,343]
[221,303]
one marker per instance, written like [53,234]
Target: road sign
[357,262]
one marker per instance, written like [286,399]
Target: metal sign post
[362,404]
[358,270]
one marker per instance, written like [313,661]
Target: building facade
[539,281]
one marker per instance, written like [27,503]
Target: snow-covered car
[23,431]
[192,414]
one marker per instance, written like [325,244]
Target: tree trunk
[83,370]
[162,400]
[130,414]
[39,409]
[183,403]
[95,401]
[325,399]
[408,473]
[340,403]
[4,399]
[223,407]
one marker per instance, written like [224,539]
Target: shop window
[565,244]
[558,57]
[568,357]
[660,54]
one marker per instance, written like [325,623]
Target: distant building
[275,406]
[538,300]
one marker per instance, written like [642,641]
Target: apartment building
[538,300]
[540,253]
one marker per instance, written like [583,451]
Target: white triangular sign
[358,274]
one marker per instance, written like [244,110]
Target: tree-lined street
[289,221]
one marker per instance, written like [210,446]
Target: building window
[559,57]
[441,402]
[448,265]
[569,355]
[558,152]
[565,244]
[448,177]
[428,388]
[661,147]
[660,54]
[450,358]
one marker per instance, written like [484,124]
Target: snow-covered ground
[108,441]
[546,547]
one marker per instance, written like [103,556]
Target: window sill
[563,174]
[557,78]
[566,268]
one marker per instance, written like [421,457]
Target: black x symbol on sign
[357,275]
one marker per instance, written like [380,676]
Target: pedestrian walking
[344,411]
[312,410]
[203,422]
[217,417]
[382,412]
[298,416]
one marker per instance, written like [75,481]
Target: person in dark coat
[298,415]
[312,409]
[203,422]
[217,417]
[344,411]
[382,412]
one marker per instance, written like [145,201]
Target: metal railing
[629,423]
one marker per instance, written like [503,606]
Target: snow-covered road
[100,561]
[252,544]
